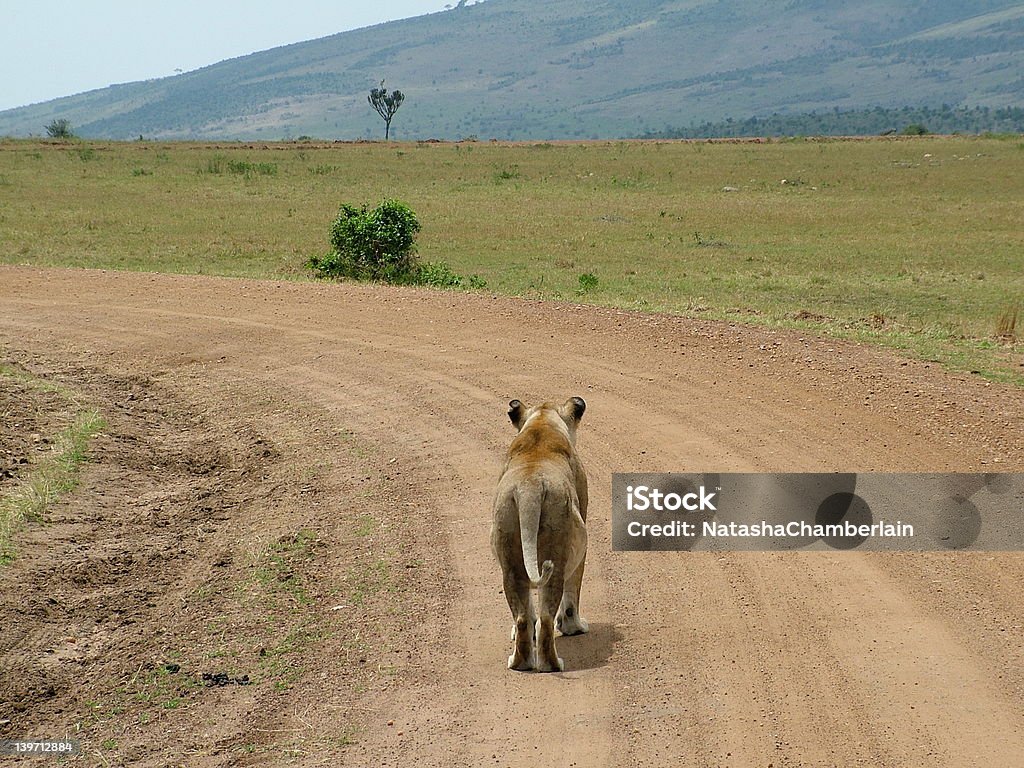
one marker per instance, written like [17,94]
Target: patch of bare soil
[279,554]
[31,416]
[223,588]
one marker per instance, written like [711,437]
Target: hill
[526,69]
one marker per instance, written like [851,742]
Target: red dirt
[292,498]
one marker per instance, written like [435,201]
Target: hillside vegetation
[536,69]
[908,121]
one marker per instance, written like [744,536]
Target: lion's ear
[515,413]
[575,407]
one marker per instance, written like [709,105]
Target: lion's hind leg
[569,621]
[517,593]
[548,597]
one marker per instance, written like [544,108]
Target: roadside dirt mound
[278,553]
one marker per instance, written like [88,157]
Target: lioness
[540,512]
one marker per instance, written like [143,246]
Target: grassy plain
[916,244]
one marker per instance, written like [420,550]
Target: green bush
[376,244]
[437,274]
[379,244]
[59,129]
[587,282]
[914,129]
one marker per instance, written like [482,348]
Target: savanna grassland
[244,521]
[916,244]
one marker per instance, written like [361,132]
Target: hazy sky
[63,47]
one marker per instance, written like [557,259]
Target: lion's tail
[530,503]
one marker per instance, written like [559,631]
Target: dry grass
[923,232]
[54,476]
[1006,328]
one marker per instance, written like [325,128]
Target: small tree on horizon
[386,105]
[59,129]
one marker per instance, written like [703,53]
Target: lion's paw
[521,665]
[571,625]
[544,666]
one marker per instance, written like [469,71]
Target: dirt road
[786,659]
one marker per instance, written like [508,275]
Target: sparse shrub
[706,241]
[437,274]
[506,174]
[1006,326]
[218,164]
[215,164]
[59,129]
[914,129]
[587,282]
[247,169]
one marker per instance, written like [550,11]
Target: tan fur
[539,533]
